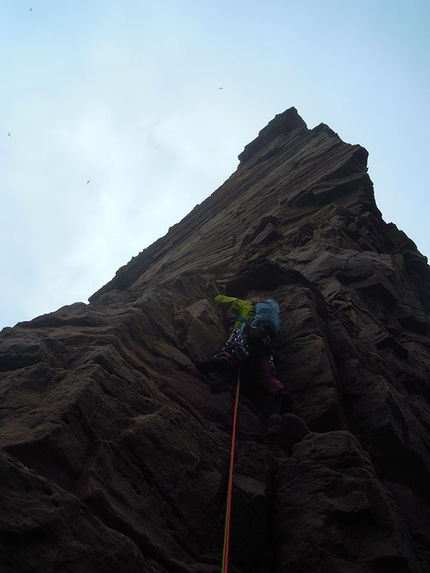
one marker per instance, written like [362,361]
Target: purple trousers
[266,378]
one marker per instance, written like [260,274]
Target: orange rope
[230,484]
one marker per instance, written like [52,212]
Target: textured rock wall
[115,448]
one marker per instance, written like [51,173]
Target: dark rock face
[115,448]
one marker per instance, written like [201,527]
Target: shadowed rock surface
[115,448]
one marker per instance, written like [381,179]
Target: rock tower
[115,448]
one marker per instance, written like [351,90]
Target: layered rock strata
[115,448]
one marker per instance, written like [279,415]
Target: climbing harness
[230,483]
[237,343]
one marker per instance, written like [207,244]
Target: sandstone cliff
[115,449]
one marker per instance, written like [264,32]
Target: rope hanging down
[230,484]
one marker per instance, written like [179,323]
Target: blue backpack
[267,315]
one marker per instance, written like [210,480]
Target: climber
[257,323]
[254,311]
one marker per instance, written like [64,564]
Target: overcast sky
[118,126]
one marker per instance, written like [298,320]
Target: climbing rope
[230,483]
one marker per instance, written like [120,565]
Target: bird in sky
[31,9]
[88,181]
[220,88]
[9,134]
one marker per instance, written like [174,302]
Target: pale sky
[125,94]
